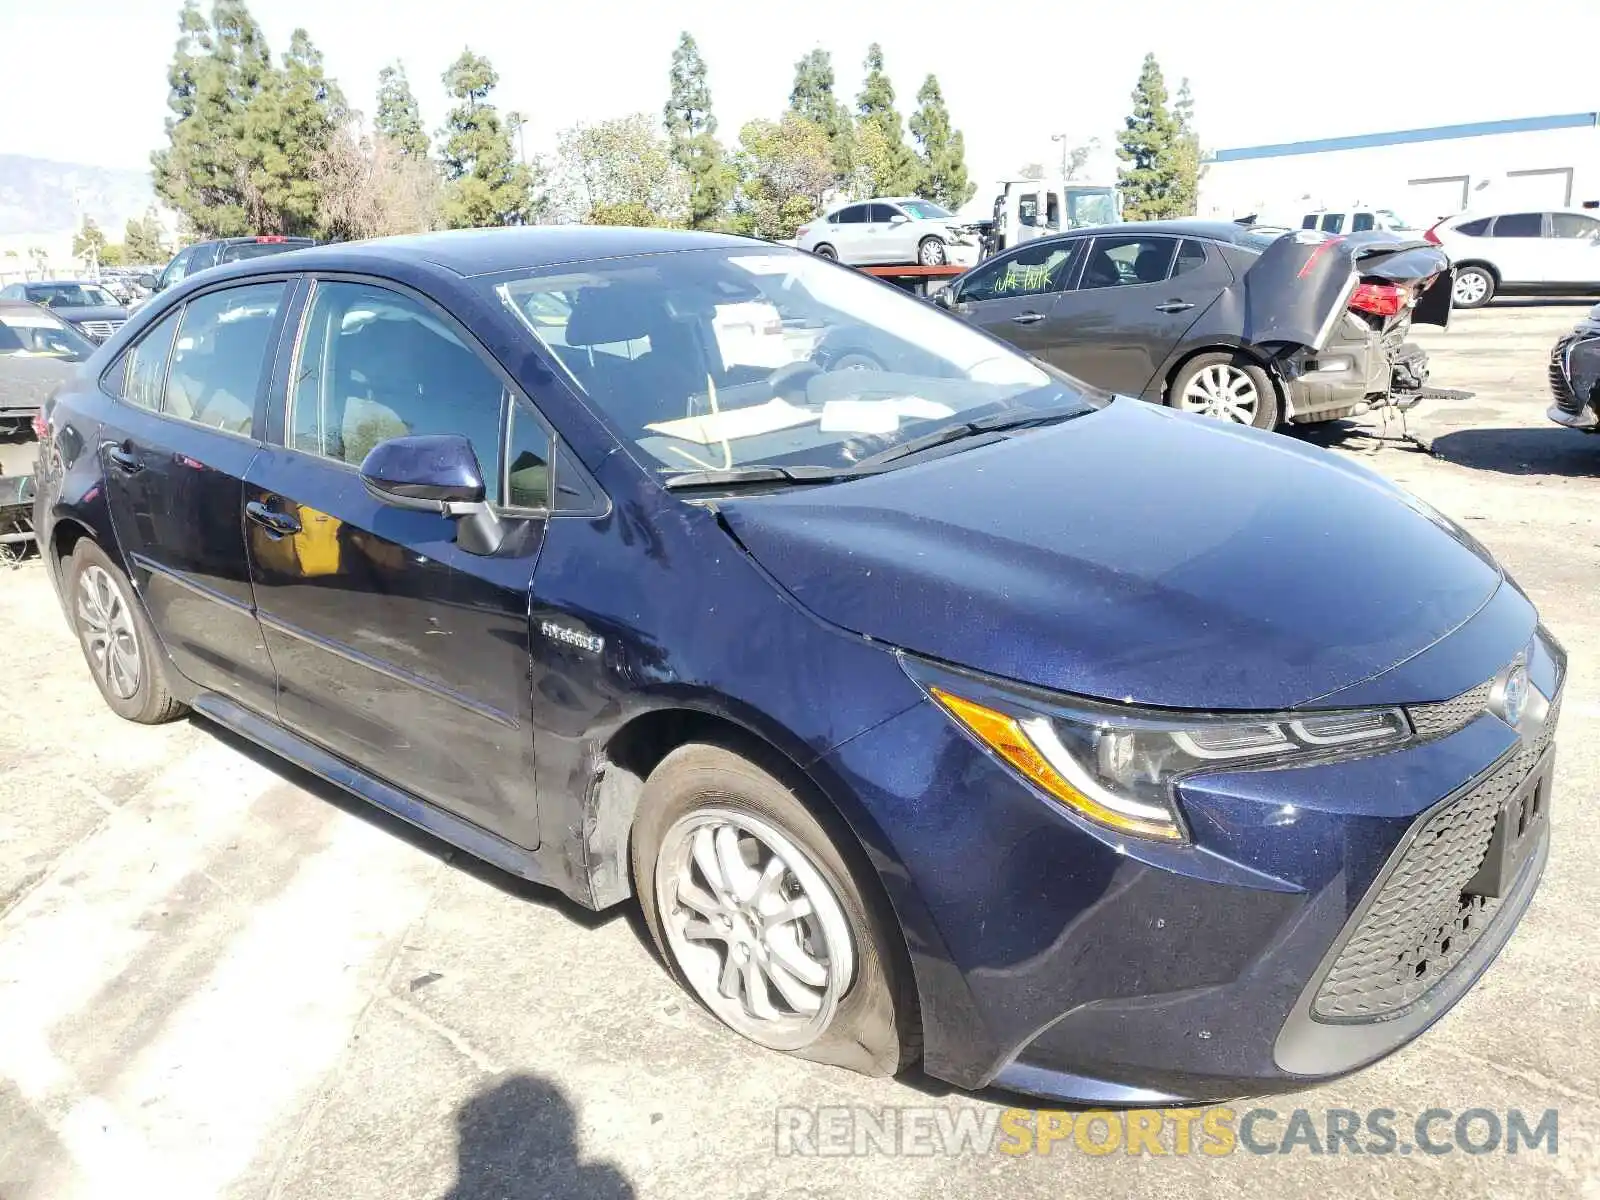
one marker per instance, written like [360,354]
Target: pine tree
[1151,182]
[308,107]
[146,240]
[692,133]
[399,117]
[1189,165]
[485,184]
[89,241]
[243,135]
[889,167]
[813,98]
[944,152]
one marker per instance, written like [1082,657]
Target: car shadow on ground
[518,1139]
[1541,302]
[521,889]
[1522,451]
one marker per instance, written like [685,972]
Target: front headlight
[1117,766]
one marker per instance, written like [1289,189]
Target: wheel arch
[1482,264]
[1189,353]
[638,746]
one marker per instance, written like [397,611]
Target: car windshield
[37,334]
[1091,206]
[925,210]
[1389,219]
[72,295]
[715,360]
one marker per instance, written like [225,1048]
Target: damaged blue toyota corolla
[932,706]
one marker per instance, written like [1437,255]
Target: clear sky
[84,80]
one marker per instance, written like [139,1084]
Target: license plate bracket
[1517,830]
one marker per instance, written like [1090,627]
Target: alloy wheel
[105,622]
[1224,392]
[932,253]
[755,929]
[1470,288]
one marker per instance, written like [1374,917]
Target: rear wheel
[931,252]
[757,912]
[117,641]
[1474,287]
[1228,387]
[825,251]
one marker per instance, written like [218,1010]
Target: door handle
[276,523]
[124,460]
[1174,306]
[1028,318]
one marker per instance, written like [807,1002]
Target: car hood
[98,312]
[1133,554]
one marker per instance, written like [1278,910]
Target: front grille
[1421,923]
[1566,400]
[101,330]
[1447,716]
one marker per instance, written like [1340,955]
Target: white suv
[892,229]
[1555,251]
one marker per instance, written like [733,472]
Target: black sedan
[1245,323]
[94,311]
[1575,376]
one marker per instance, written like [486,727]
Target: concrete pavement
[221,978]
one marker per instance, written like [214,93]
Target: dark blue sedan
[931,705]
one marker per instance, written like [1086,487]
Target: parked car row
[932,705]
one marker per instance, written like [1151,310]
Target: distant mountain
[40,197]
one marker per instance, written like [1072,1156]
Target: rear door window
[1128,261]
[1519,225]
[1332,222]
[1474,228]
[1191,257]
[219,356]
[856,214]
[1361,222]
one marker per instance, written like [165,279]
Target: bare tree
[371,188]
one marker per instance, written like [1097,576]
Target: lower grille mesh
[1420,924]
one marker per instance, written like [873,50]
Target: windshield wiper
[945,434]
[734,476]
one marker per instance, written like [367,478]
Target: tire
[825,251]
[931,253]
[1473,288]
[127,662]
[703,796]
[1217,384]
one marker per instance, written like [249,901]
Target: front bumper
[1575,379]
[1055,960]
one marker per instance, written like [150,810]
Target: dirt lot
[220,979]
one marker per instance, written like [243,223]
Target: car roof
[471,252]
[17,306]
[1216,231]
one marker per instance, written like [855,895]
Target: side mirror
[146,281]
[438,474]
[945,297]
[899,219]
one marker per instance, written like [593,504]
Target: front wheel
[117,641]
[1227,387]
[757,912]
[1473,288]
[931,252]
